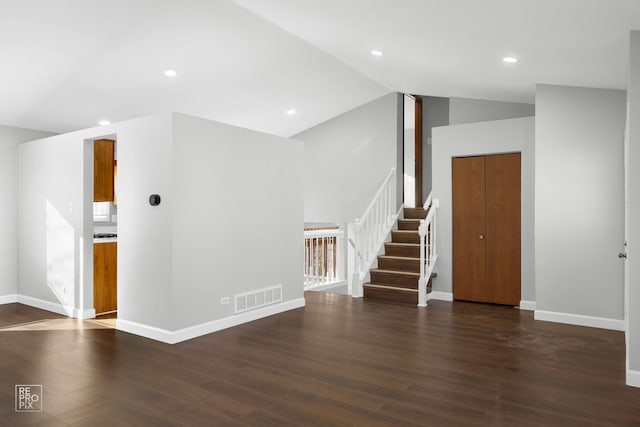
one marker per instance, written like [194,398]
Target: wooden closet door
[469,251]
[486,228]
[503,201]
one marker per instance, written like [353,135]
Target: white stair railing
[428,250]
[322,257]
[367,234]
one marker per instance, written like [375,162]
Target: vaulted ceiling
[66,64]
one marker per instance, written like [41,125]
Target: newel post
[354,275]
[422,282]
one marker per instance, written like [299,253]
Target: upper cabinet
[103,170]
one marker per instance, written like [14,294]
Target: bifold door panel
[486,228]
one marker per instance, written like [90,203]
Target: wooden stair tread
[404,296]
[402,273]
[397,276]
[388,287]
[406,273]
[409,224]
[412,213]
[399,257]
[405,236]
[411,250]
[399,263]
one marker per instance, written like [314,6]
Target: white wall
[579,205]
[435,112]
[237,217]
[51,262]
[467,110]
[56,223]
[347,158]
[438,111]
[633,233]
[230,221]
[409,158]
[408,150]
[9,139]
[60,169]
[492,137]
[145,253]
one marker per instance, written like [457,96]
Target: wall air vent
[259,298]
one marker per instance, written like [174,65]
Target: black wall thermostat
[154,199]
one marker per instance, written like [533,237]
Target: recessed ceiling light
[104,122]
[170,73]
[509,59]
[291,112]
[376,52]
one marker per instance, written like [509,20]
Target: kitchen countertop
[105,240]
[105,235]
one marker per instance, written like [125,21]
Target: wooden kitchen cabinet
[105,273]
[103,170]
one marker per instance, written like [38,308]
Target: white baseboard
[238,319]
[325,288]
[8,299]
[46,305]
[527,305]
[442,296]
[146,331]
[579,320]
[633,378]
[87,313]
[173,337]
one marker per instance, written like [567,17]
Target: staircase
[396,278]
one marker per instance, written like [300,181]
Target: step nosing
[400,257]
[411,273]
[395,288]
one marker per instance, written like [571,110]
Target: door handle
[622,255]
[481,237]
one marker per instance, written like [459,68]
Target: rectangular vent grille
[259,298]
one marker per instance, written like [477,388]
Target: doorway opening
[105,227]
[412,151]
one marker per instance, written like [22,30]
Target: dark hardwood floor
[338,361]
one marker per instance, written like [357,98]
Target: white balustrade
[428,250]
[322,257]
[325,262]
[367,234]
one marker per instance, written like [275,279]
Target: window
[102,211]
